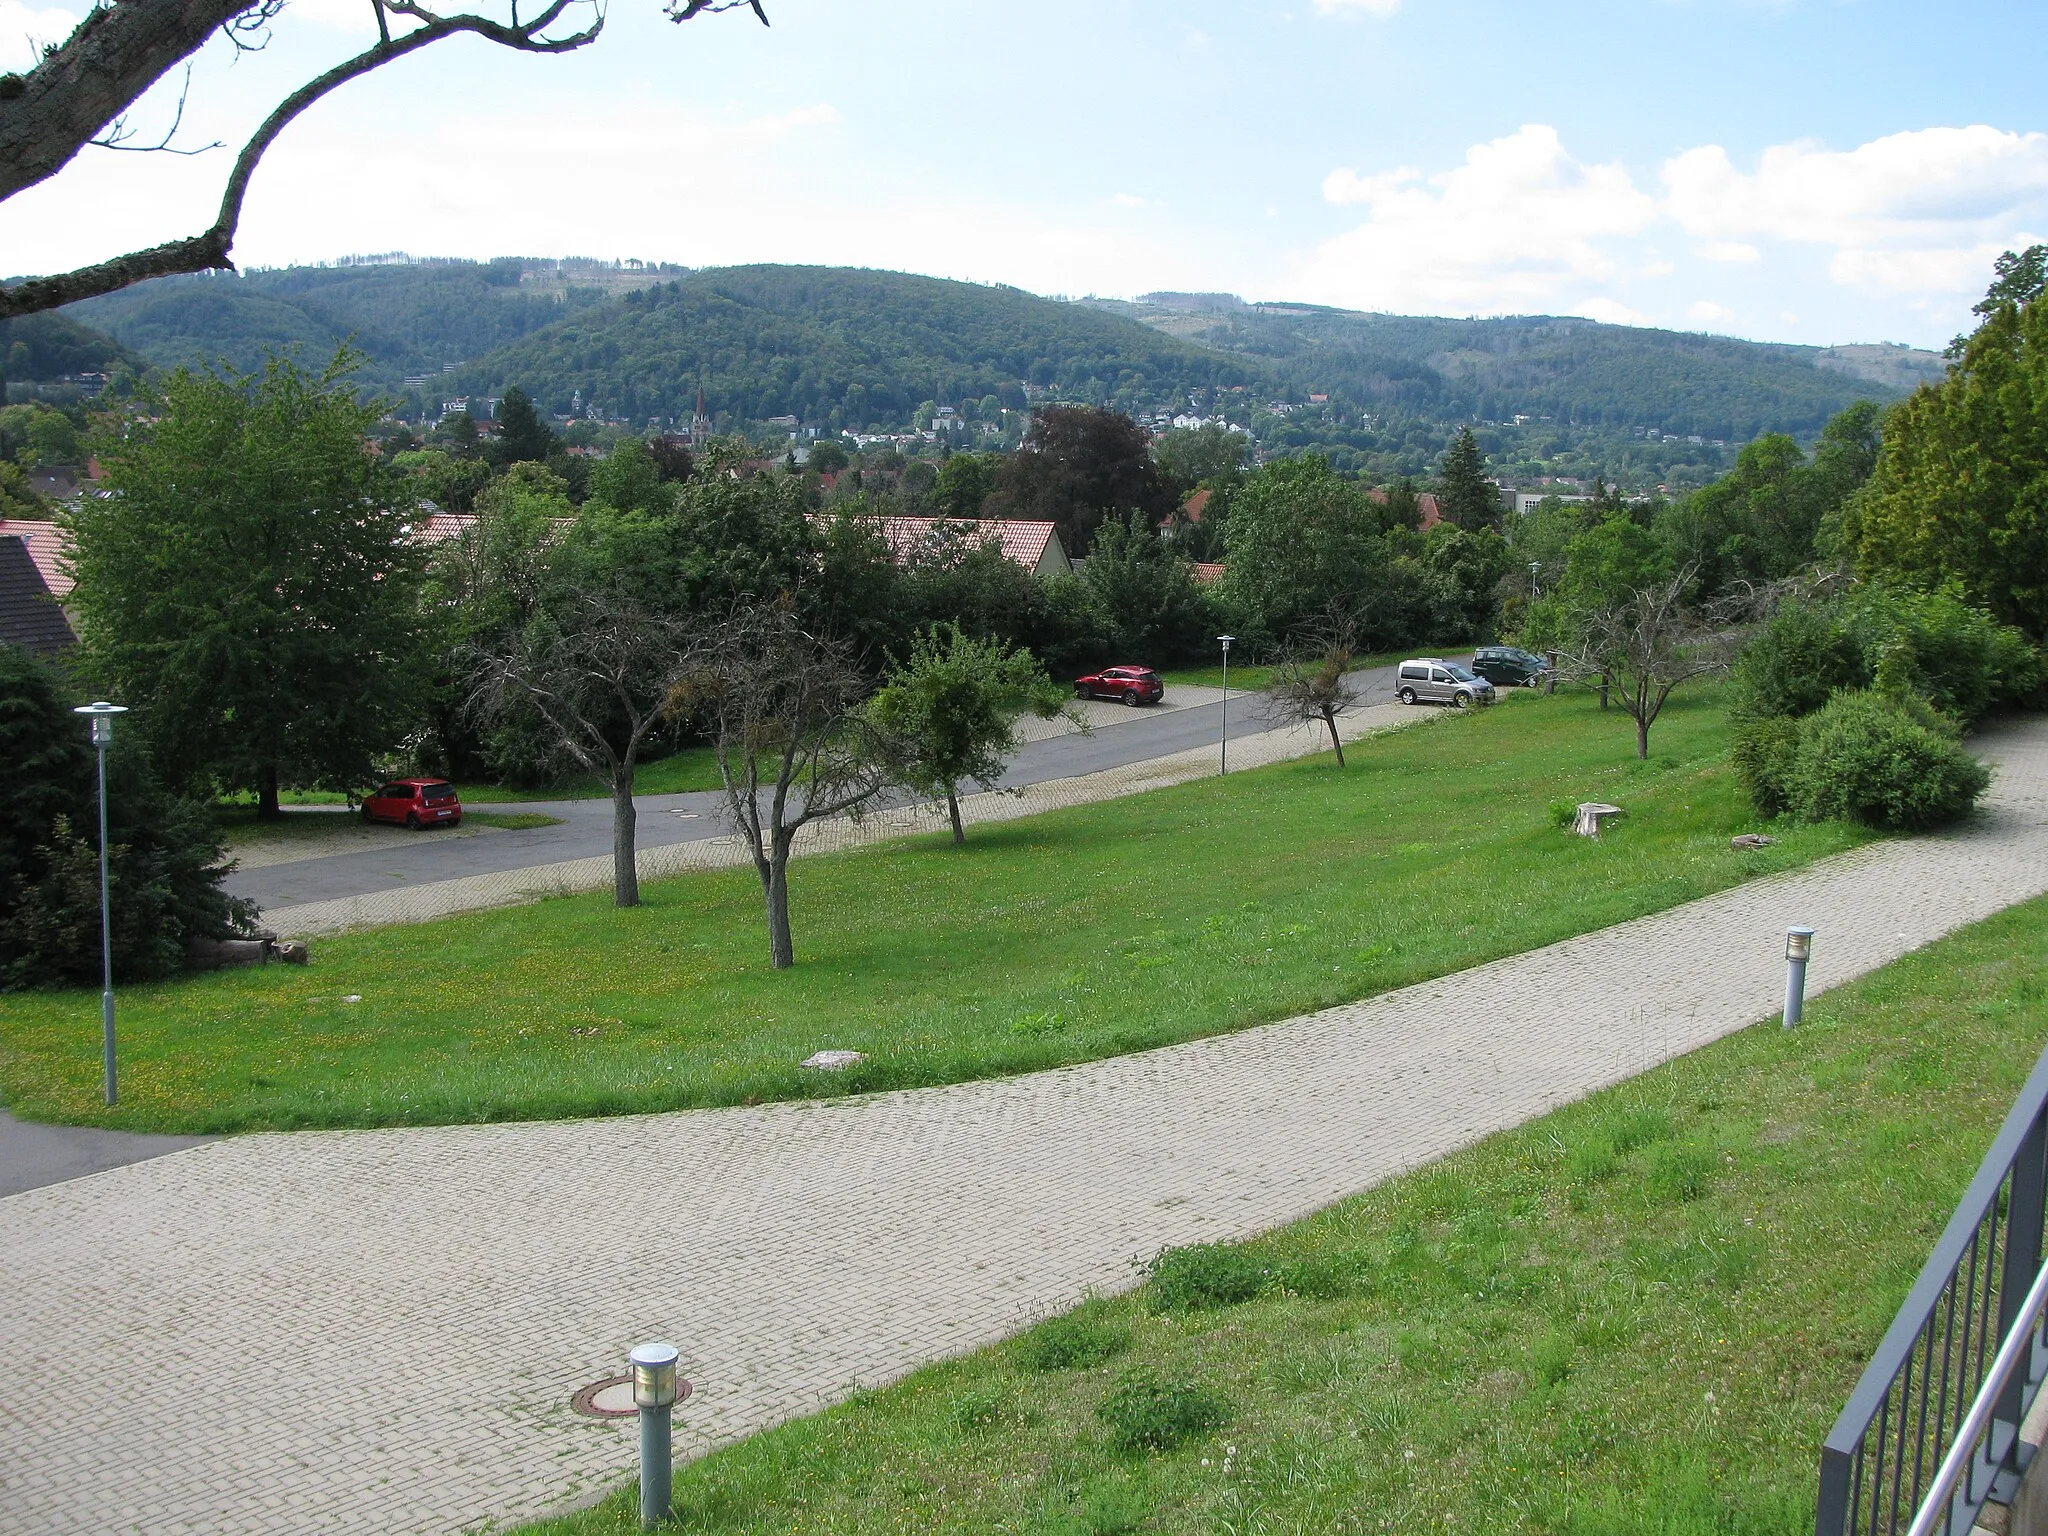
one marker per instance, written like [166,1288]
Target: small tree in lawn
[781,704]
[949,714]
[1313,683]
[591,668]
[1647,643]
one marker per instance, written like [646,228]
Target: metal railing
[1931,1432]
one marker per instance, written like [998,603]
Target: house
[1208,572]
[1196,504]
[1034,545]
[30,615]
[47,546]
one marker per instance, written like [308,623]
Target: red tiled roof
[1196,504]
[1426,504]
[1022,541]
[1208,572]
[47,545]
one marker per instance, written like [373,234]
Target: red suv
[415,803]
[1134,685]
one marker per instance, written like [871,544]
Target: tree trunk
[267,808]
[1603,690]
[953,806]
[1642,738]
[625,873]
[775,888]
[1335,740]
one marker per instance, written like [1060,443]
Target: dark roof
[29,615]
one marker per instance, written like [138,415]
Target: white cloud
[1611,312]
[24,29]
[1706,312]
[1925,210]
[1517,226]
[1730,250]
[1380,8]
[1128,200]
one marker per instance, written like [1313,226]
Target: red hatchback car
[415,803]
[1134,685]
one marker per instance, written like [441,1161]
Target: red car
[415,803]
[1134,685]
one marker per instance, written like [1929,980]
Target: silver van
[1432,680]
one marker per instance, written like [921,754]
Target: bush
[1072,1342]
[1204,1275]
[1146,1414]
[1765,751]
[1793,665]
[165,860]
[1869,759]
[1938,648]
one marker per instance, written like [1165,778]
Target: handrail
[1907,1411]
[2019,1346]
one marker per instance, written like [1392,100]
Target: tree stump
[1591,814]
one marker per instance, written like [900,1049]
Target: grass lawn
[691,768]
[1635,1315]
[1078,934]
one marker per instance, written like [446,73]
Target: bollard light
[654,1394]
[1798,950]
[101,713]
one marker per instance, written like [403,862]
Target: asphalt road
[586,825]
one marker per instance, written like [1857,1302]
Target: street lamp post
[1223,751]
[1534,567]
[101,713]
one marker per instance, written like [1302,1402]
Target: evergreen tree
[1464,495]
[522,435]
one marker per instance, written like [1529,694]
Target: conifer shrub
[1877,760]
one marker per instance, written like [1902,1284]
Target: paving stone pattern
[381,1331]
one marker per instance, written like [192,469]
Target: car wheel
[455,821]
[367,816]
[412,821]
[1082,693]
[1133,700]
[1407,695]
[1462,700]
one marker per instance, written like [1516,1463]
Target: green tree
[948,715]
[1464,494]
[165,854]
[1148,593]
[1301,539]
[630,479]
[522,435]
[1212,455]
[251,586]
[964,483]
[1959,496]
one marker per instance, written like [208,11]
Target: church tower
[700,424]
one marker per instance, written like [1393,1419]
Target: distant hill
[1567,370]
[410,319]
[45,348]
[854,347]
[840,347]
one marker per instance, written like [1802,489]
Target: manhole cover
[612,1398]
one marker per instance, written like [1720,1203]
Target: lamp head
[1226,639]
[101,713]
[654,1375]
[1798,943]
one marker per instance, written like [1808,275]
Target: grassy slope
[1058,938]
[1540,1334]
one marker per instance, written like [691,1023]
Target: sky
[1820,171]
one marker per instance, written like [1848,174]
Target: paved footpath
[381,1331]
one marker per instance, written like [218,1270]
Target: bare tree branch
[118,132]
[1652,642]
[80,91]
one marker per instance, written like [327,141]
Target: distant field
[1078,934]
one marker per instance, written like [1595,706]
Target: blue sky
[1799,170]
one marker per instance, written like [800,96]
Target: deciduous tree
[1312,682]
[948,715]
[1078,465]
[251,582]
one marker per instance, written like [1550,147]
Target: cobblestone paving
[470,893]
[380,1331]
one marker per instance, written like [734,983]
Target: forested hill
[854,347]
[1571,371]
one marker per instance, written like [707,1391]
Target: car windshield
[1460,673]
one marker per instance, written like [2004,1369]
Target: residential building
[30,615]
